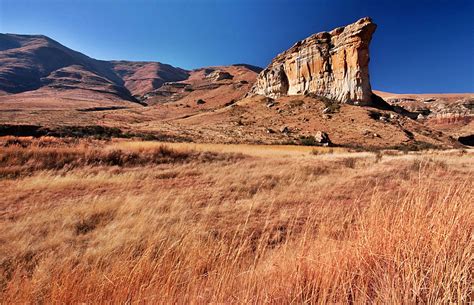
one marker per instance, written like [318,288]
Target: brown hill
[47,74]
[297,119]
[142,77]
[28,63]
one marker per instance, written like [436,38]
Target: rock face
[332,64]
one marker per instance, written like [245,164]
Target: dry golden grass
[248,149]
[27,155]
[332,228]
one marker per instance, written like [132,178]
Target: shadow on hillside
[381,104]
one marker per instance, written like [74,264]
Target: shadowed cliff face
[332,64]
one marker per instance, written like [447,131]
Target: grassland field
[121,221]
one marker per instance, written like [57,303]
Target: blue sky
[419,46]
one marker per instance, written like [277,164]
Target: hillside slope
[452,113]
[47,74]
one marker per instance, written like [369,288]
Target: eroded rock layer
[332,64]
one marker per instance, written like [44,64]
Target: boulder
[270,102]
[327,110]
[219,75]
[269,130]
[322,138]
[331,64]
[384,119]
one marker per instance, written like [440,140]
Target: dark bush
[308,141]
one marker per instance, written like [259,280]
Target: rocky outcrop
[331,64]
[219,75]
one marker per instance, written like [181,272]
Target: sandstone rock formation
[219,75]
[332,64]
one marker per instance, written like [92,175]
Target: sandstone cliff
[332,64]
